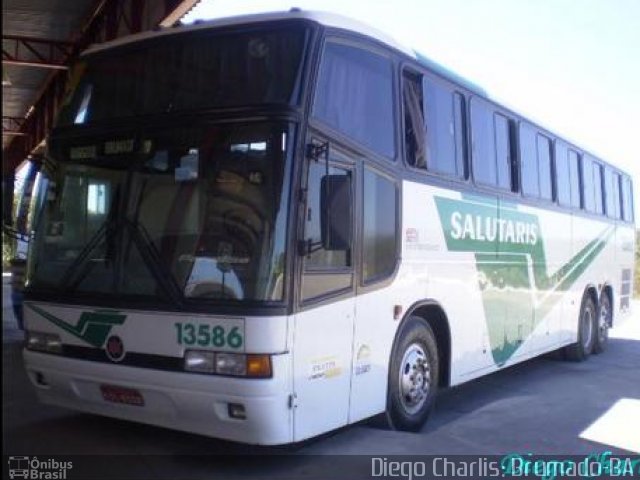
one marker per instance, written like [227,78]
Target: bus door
[325,319]
[378,295]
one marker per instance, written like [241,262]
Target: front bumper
[195,403]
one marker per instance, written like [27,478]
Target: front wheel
[605,315]
[413,376]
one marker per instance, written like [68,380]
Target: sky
[571,65]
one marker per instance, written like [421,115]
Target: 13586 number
[208,335]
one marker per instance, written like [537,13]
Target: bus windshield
[187,72]
[178,213]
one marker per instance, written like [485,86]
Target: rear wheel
[413,376]
[587,331]
[605,315]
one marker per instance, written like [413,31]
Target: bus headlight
[199,361]
[223,363]
[44,342]
[231,364]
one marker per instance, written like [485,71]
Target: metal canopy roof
[48,20]
[40,38]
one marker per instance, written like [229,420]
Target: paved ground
[541,406]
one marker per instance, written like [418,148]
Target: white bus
[266,227]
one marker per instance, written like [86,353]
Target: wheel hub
[603,322]
[414,378]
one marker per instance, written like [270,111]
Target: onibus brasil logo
[92,327]
[40,469]
[513,275]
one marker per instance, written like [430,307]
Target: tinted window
[461,134]
[529,161]
[187,73]
[319,257]
[441,130]
[503,152]
[597,188]
[574,178]
[439,142]
[544,167]
[587,184]
[355,96]
[414,132]
[379,226]
[612,193]
[592,178]
[627,199]
[490,146]
[483,144]
[563,178]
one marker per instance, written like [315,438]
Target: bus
[266,227]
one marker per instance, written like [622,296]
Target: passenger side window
[567,165]
[574,178]
[414,132]
[529,161]
[587,184]
[354,95]
[535,163]
[434,126]
[490,146]
[592,179]
[442,110]
[379,235]
[612,193]
[544,167]
[597,183]
[563,176]
[627,200]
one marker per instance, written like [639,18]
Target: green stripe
[517,293]
[92,327]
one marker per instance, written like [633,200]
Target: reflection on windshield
[190,72]
[200,211]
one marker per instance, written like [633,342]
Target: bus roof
[450,75]
[323,18]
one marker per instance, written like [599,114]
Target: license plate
[128,396]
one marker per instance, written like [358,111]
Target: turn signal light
[258,366]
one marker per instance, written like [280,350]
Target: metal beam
[34,52]
[25,63]
[108,19]
[13,133]
[176,10]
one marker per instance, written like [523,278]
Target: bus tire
[603,324]
[413,376]
[587,327]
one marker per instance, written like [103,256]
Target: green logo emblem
[92,327]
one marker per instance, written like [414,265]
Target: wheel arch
[434,314]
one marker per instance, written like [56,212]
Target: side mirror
[336,204]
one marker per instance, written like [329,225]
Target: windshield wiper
[108,230]
[152,257]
